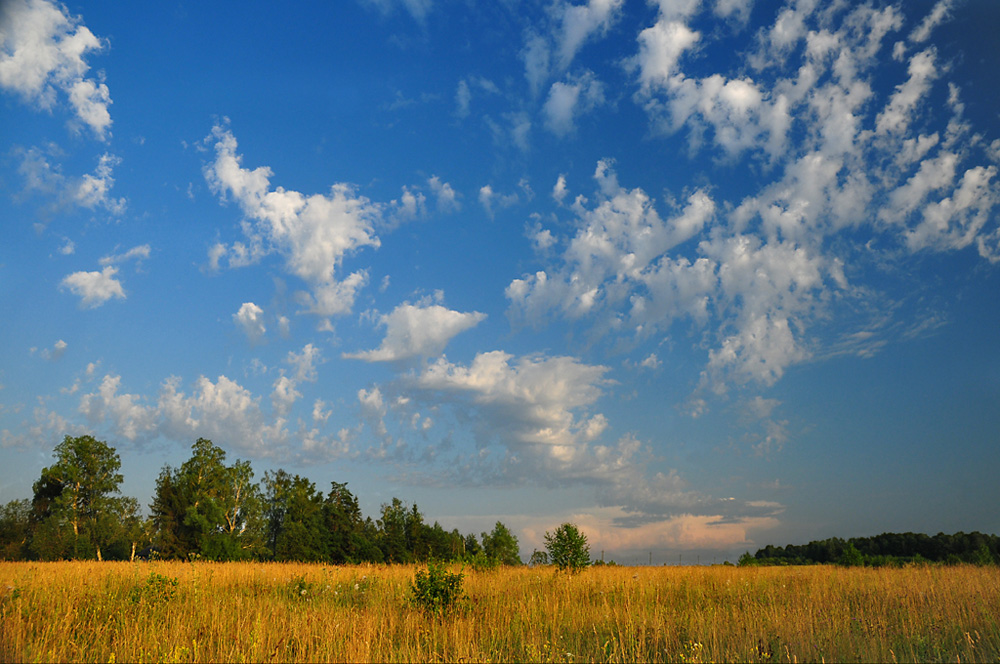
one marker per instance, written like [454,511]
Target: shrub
[157,589]
[437,590]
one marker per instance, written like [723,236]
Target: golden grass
[260,612]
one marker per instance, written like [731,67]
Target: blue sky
[697,276]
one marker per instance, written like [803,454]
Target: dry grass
[236,612]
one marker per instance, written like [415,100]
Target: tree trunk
[99,558]
[131,558]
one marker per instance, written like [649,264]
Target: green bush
[157,589]
[437,590]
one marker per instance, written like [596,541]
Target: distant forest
[887,549]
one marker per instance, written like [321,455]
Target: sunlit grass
[246,612]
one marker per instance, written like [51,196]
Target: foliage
[436,589]
[501,545]
[568,548]
[15,529]
[157,589]
[538,558]
[888,549]
[480,562]
[208,508]
[76,512]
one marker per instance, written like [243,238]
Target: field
[195,612]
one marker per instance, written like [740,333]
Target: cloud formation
[313,233]
[43,57]
[94,288]
[418,331]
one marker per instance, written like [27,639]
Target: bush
[157,589]
[437,590]
[568,548]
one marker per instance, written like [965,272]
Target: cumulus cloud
[91,190]
[314,233]
[532,398]
[421,330]
[94,288]
[567,100]
[250,319]
[43,57]
[832,152]
[58,350]
[447,197]
[222,410]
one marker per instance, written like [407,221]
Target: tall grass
[254,612]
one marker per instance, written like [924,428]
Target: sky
[696,275]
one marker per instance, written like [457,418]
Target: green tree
[851,557]
[345,524]
[393,532]
[208,508]
[75,500]
[15,530]
[538,558]
[294,518]
[501,545]
[568,548]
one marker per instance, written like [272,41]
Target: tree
[345,524]
[15,530]
[295,528]
[76,503]
[538,558]
[208,508]
[568,548]
[501,545]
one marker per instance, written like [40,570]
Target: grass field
[234,612]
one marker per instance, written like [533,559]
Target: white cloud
[222,410]
[660,49]
[447,197]
[58,350]
[567,100]
[900,110]
[489,198]
[531,399]
[580,22]
[559,190]
[90,191]
[284,395]
[43,55]
[940,13]
[250,319]
[137,253]
[314,233]
[418,331]
[305,362]
[537,61]
[94,288]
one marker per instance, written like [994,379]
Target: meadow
[263,612]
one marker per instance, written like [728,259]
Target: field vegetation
[164,611]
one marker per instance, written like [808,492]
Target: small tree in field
[568,548]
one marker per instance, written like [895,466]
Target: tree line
[212,510]
[887,549]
